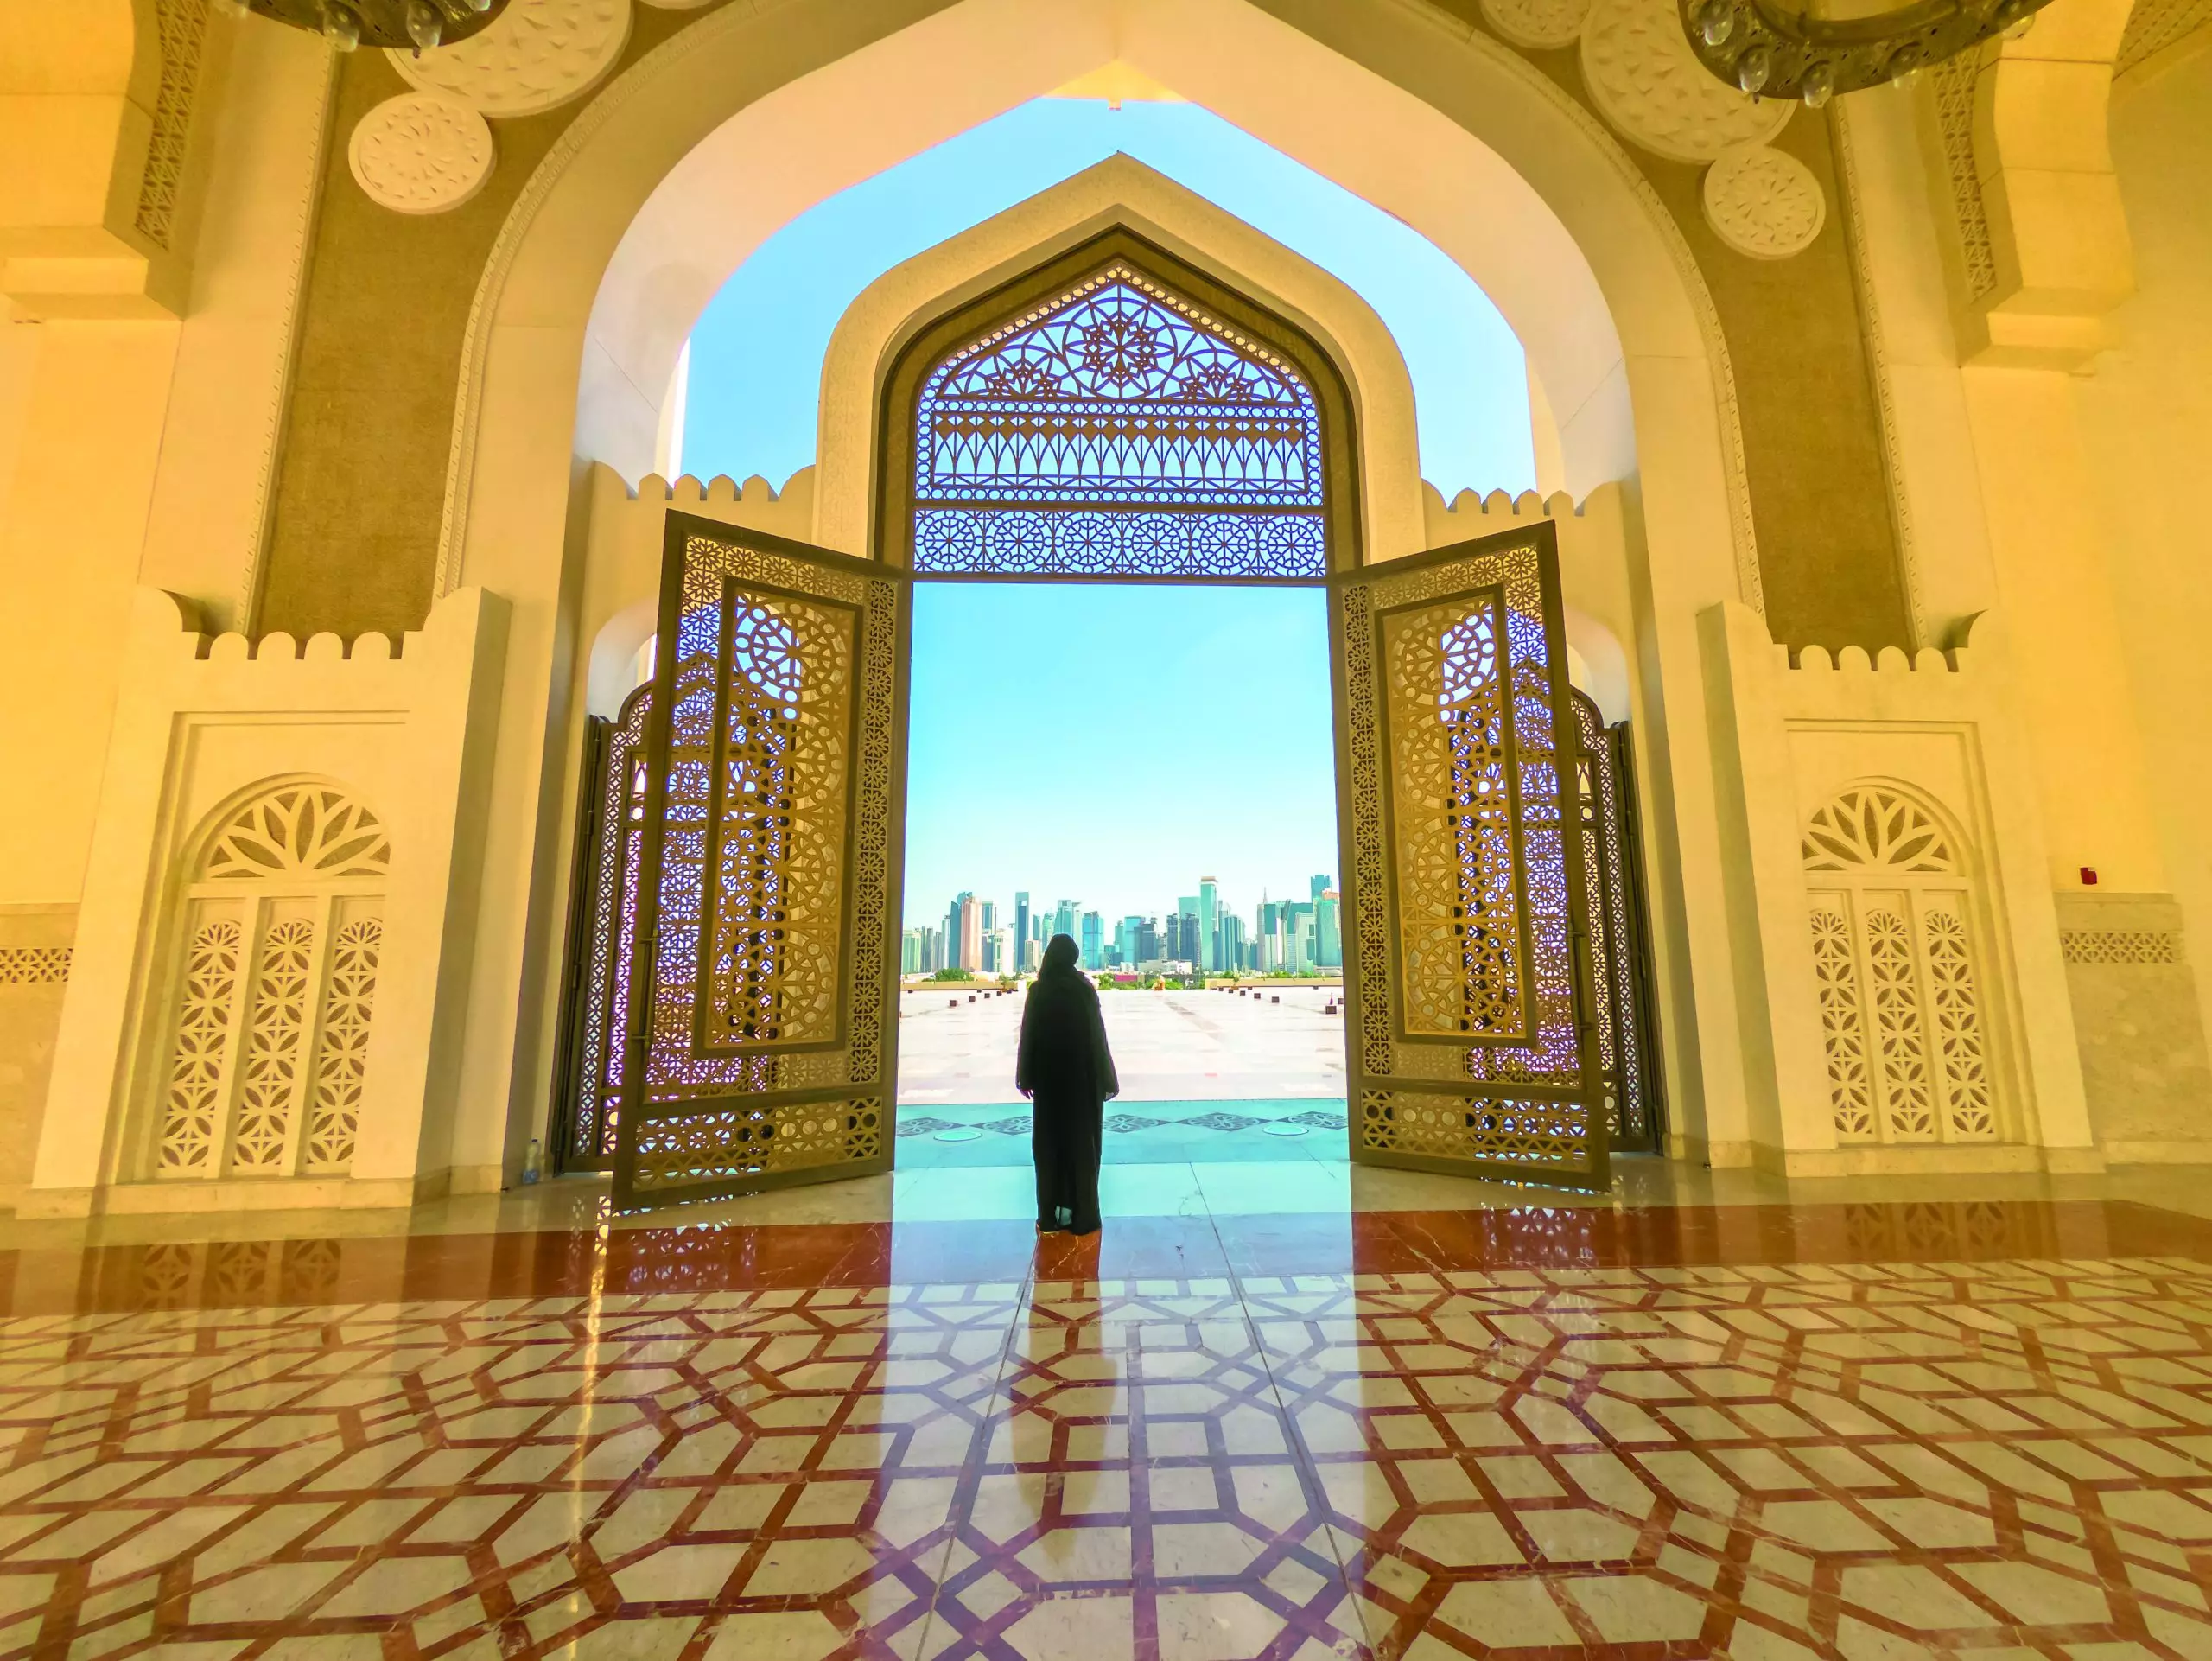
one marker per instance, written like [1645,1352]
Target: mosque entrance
[1115,415]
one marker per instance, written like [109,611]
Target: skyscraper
[1020,925]
[1209,923]
[1064,918]
[1229,949]
[969,953]
[1094,940]
[1328,936]
[990,961]
[1316,886]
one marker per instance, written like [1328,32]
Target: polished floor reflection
[1753,1431]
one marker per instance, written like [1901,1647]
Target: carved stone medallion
[537,55]
[421,153]
[1540,25]
[1764,203]
[1645,80]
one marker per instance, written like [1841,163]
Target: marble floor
[1708,1415]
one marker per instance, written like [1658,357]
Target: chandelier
[1813,51]
[419,24]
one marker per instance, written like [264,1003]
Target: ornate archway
[1115,416]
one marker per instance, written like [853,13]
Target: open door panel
[762,1031]
[1467,967]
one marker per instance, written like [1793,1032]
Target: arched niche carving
[269,988]
[1903,967]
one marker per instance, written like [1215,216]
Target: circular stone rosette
[1538,25]
[535,57]
[421,153]
[1648,83]
[1764,203]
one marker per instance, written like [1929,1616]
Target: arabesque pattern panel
[1118,429]
[1475,1031]
[267,1043]
[1893,935]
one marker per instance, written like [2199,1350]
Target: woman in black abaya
[1065,1068]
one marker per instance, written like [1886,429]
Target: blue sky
[1107,744]
[1038,761]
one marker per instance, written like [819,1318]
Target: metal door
[1471,1018]
[762,1023]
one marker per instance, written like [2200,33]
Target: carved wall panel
[1896,962]
[767,887]
[274,990]
[1467,967]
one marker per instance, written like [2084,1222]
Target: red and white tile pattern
[1999,1459]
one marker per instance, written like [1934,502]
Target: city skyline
[1203,932]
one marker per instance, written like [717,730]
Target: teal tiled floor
[1177,1135]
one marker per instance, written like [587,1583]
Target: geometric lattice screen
[1118,429]
[762,1051]
[603,937]
[1467,957]
[1897,967]
[272,990]
[1614,898]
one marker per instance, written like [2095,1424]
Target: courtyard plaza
[1286,1409]
[1208,1077]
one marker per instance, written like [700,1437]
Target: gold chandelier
[405,24]
[1813,51]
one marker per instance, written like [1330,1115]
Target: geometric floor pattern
[1992,1460]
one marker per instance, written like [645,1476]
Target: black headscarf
[1064,1055]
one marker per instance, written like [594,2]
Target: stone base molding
[2001,1159]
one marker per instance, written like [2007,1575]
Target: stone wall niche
[270,961]
[1905,1008]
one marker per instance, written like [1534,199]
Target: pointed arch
[1116,412]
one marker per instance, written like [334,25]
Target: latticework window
[1895,965]
[597,1010]
[273,990]
[1118,429]
[1613,902]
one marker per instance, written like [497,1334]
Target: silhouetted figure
[1065,1068]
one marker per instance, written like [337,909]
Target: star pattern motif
[1852,1461]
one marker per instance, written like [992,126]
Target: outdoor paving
[1207,1078]
[1168,1047]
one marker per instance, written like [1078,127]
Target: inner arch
[756,360]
